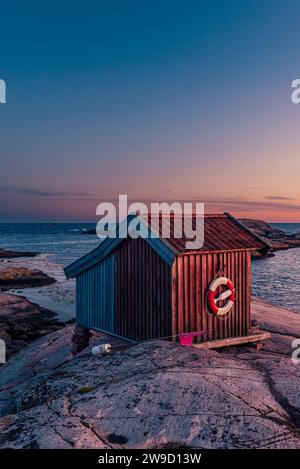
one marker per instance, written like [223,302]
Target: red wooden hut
[149,288]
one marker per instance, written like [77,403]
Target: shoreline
[30,312]
[58,296]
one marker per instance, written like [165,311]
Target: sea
[276,279]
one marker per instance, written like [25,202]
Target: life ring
[227,294]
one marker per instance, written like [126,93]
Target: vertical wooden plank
[241,288]
[118,294]
[92,293]
[130,323]
[204,287]
[156,293]
[180,294]
[112,293]
[248,290]
[243,270]
[117,289]
[143,302]
[215,321]
[175,327]
[135,317]
[152,299]
[228,274]
[78,299]
[88,283]
[192,287]
[237,302]
[148,297]
[169,306]
[186,260]
[139,281]
[198,309]
[161,324]
[162,314]
[222,322]
[225,331]
[232,314]
[210,277]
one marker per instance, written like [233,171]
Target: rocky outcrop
[21,322]
[154,395]
[278,239]
[22,277]
[7,254]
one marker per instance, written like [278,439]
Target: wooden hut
[149,288]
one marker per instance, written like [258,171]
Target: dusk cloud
[243,203]
[278,197]
[42,193]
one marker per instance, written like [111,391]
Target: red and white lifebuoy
[227,294]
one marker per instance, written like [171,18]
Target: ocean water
[276,279]
[63,242]
[59,245]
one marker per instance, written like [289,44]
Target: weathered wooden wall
[96,296]
[191,277]
[142,292]
[134,293]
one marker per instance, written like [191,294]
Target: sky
[162,100]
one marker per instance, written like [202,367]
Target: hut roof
[222,232]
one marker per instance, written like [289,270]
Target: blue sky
[178,100]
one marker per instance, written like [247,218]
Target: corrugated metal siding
[95,296]
[143,292]
[191,276]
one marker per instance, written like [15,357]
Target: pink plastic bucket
[186,339]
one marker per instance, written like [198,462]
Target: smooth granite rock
[153,395]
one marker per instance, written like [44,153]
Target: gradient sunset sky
[160,100]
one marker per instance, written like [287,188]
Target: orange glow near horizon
[70,208]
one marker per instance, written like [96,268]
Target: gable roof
[222,232]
